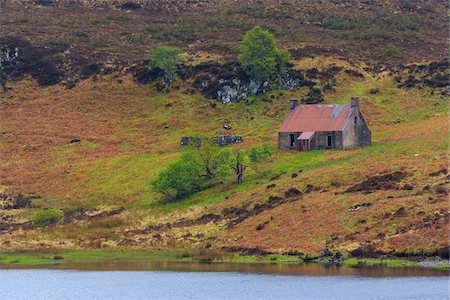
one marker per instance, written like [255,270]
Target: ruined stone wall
[356,134]
[223,140]
[364,134]
[284,140]
[321,140]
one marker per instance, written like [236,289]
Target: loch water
[187,280]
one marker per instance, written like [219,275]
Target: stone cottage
[324,126]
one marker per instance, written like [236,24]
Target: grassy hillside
[129,132]
[84,129]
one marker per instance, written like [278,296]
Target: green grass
[395,101]
[373,262]
[271,259]
[77,256]
[123,177]
[444,266]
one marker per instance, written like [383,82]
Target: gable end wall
[356,135]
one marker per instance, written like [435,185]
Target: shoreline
[72,257]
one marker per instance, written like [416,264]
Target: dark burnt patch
[441,189]
[130,6]
[401,212]
[434,75]
[90,70]
[12,226]
[354,73]
[380,182]
[314,96]
[366,250]
[8,223]
[442,171]
[262,225]
[292,192]
[10,201]
[80,214]
[44,2]
[144,74]
[204,219]
[241,214]
[19,58]
[208,218]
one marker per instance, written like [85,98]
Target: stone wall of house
[336,139]
[284,140]
[364,134]
[320,140]
[356,133]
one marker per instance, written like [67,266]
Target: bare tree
[239,164]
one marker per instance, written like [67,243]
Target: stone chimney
[354,101]
[294,103]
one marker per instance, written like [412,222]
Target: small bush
[46,217]
[260,152]
[181,178]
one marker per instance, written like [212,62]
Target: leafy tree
[206,150]
[181,178]
[166,58]
[205,161]
[283,56]
[258,52]
[239,160]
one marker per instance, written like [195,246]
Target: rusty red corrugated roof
[320,117]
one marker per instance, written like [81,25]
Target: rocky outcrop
[19,58]
[222,141]
[229,83]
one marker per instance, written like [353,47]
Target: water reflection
[298,270]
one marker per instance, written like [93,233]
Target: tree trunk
[240,177]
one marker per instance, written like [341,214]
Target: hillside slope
[84,128]
[128,133]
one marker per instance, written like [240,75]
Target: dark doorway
[329,141]
[292,136]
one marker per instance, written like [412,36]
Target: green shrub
[181,178]
[260,152]
[46,217]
